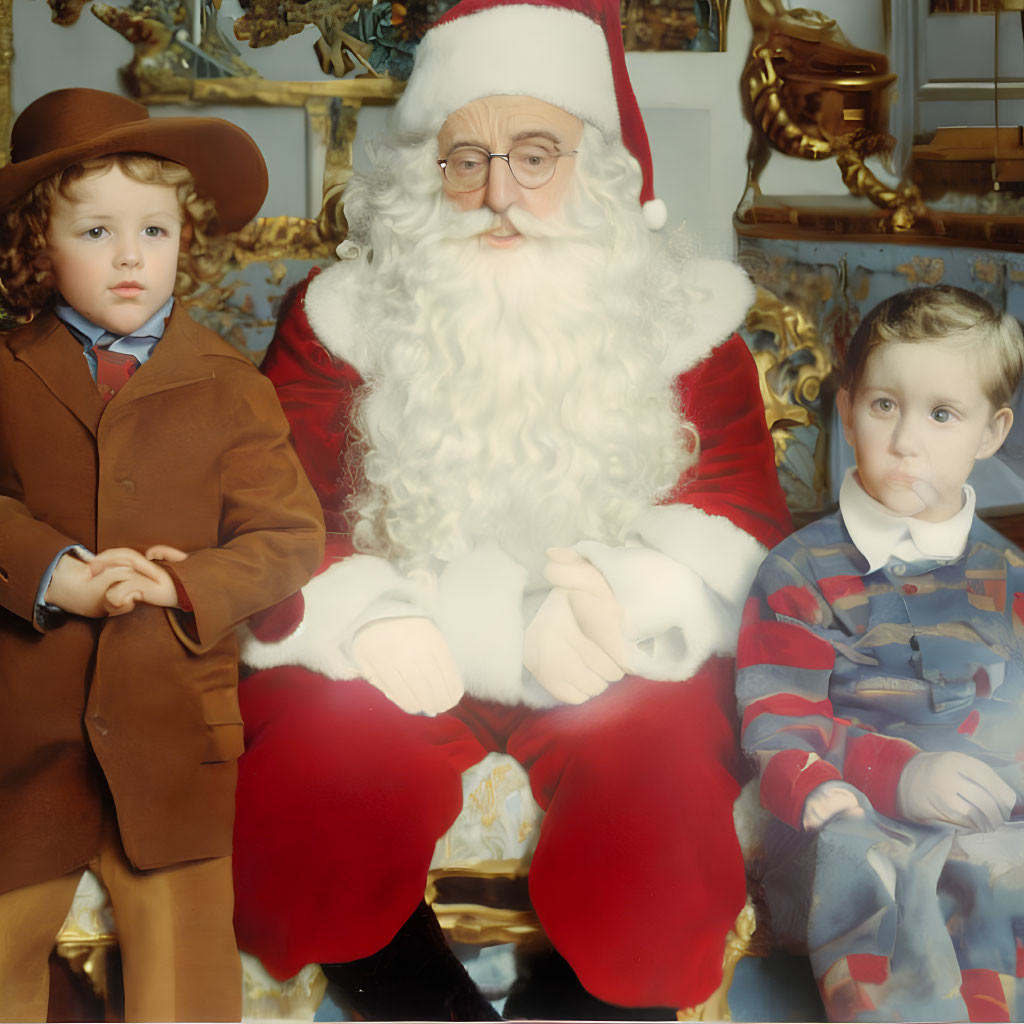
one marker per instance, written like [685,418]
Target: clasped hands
[944,787]
[114,581]
[573,646]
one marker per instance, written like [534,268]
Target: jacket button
[129,486]
[99,723]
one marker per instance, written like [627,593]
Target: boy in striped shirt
[881,681]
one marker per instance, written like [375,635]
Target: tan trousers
[174,928]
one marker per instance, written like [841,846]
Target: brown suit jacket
[193,452]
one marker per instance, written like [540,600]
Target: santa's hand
[408,660]
[570,666]
[948,787]
[830,800]
[593,604]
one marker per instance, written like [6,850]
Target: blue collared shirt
[140,343]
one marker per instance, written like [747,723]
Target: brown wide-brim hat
[71,125]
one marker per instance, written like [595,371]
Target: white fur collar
[723,291]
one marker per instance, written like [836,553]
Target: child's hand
[145,582]
[828,801]
[165,553]
[154,586]
[80,587]
[948,787]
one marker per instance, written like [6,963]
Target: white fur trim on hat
[549,53]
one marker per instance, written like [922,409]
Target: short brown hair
[26,278]
[941,312]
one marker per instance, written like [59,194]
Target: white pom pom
[655,214]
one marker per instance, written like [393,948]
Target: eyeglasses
[466,168]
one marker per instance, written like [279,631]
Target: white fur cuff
[337,603]
[682,581]
[672,620]
[725,557]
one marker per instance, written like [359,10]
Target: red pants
[637,875]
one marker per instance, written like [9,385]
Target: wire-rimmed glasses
[466,168]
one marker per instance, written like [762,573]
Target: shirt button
[909,588]
[899,569]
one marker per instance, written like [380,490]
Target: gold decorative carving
[672,25]
[793,366]
[809,93]
[480,923]
[738,944]
[86,953]
[269,21]
[66,12]
[923,270]
[903,201]
[165,59]
[831,220]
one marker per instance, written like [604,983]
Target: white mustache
[459,225]
[463,224]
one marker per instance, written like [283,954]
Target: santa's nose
[502,189]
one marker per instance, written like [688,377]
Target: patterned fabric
[846,674]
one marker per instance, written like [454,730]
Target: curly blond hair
[27,284]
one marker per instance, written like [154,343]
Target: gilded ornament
[925,270]
[809,93]
[66,12]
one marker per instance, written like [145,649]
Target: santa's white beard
[517,398]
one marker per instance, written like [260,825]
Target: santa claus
[544,456]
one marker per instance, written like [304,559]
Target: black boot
[415,976]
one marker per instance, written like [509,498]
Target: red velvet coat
[713,528]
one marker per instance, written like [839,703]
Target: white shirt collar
[880,535]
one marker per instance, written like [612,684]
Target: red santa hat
[566,52]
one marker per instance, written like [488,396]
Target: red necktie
[113,370]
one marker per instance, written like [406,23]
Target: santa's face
[496,124]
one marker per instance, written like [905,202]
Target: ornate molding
[794,367]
